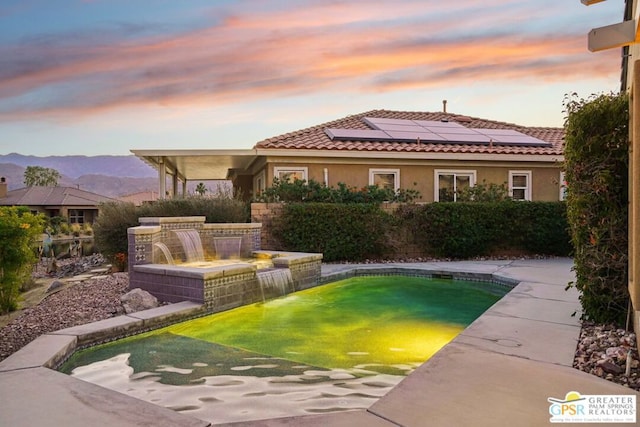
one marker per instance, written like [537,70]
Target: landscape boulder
[138,300]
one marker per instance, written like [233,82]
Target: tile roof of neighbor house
[315,138]
[52,196]
[140,197]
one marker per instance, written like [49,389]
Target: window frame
[259,183]
[379,171]
[563,186]
[277,170]
[76,216]
[471,173]
[527,189]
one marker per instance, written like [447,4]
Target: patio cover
[195,165]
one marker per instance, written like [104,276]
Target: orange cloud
[323,47]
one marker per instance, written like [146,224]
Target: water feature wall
[183,258]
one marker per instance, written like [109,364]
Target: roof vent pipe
[444,105]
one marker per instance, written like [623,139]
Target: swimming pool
[336,347]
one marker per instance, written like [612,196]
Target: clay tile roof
[52,196]
[315,138]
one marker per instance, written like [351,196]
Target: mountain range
[110,176]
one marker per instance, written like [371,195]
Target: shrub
[64,228]
[314,192]
[110,229]
[19,230]
[596,164]
[484,192]
[465,230]
[54,222]
[354,231]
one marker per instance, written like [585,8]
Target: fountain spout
[227,247]
[165,251]
[191,244]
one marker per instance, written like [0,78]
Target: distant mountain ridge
[111,176]
[76,166]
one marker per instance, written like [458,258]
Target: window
[259,184]
[449,183]
[520,185]
[290,174]
[385,178]
[76,216]
[563,187]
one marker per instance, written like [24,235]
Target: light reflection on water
[230,398]
[333,348]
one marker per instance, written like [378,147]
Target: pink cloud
[328,46]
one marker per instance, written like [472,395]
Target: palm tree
[201,189]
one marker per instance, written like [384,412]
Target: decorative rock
[56,284]
[137,300]
[611,368]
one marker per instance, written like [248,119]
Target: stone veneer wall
[264,213]
[152,230]
[218,287]
[305,272]
[231,291]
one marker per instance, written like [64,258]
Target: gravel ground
[602,350]
[94,299]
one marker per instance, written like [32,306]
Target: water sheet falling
[166,252]
[191,243]
[227,247]
[275,283]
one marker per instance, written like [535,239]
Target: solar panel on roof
[356,134]
[501,131]
[464,138]
[437,124]
[412,136]
[401,130]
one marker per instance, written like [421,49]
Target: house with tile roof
[77,206]
[435,153]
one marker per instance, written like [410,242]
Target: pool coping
[531,328]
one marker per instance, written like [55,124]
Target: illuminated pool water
[332,348]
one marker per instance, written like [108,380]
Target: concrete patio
[498,371]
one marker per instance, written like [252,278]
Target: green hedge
[466,230]
[596,163]
[354,231]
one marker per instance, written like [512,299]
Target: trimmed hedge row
[597,174]
[355,232]
[466,230]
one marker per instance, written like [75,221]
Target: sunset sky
[106,76]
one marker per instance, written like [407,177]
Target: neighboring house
[77,206]
[140,198]
[435,153]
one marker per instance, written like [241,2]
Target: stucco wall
[419,175]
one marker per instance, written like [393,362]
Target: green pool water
[371,331]
[376,321]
